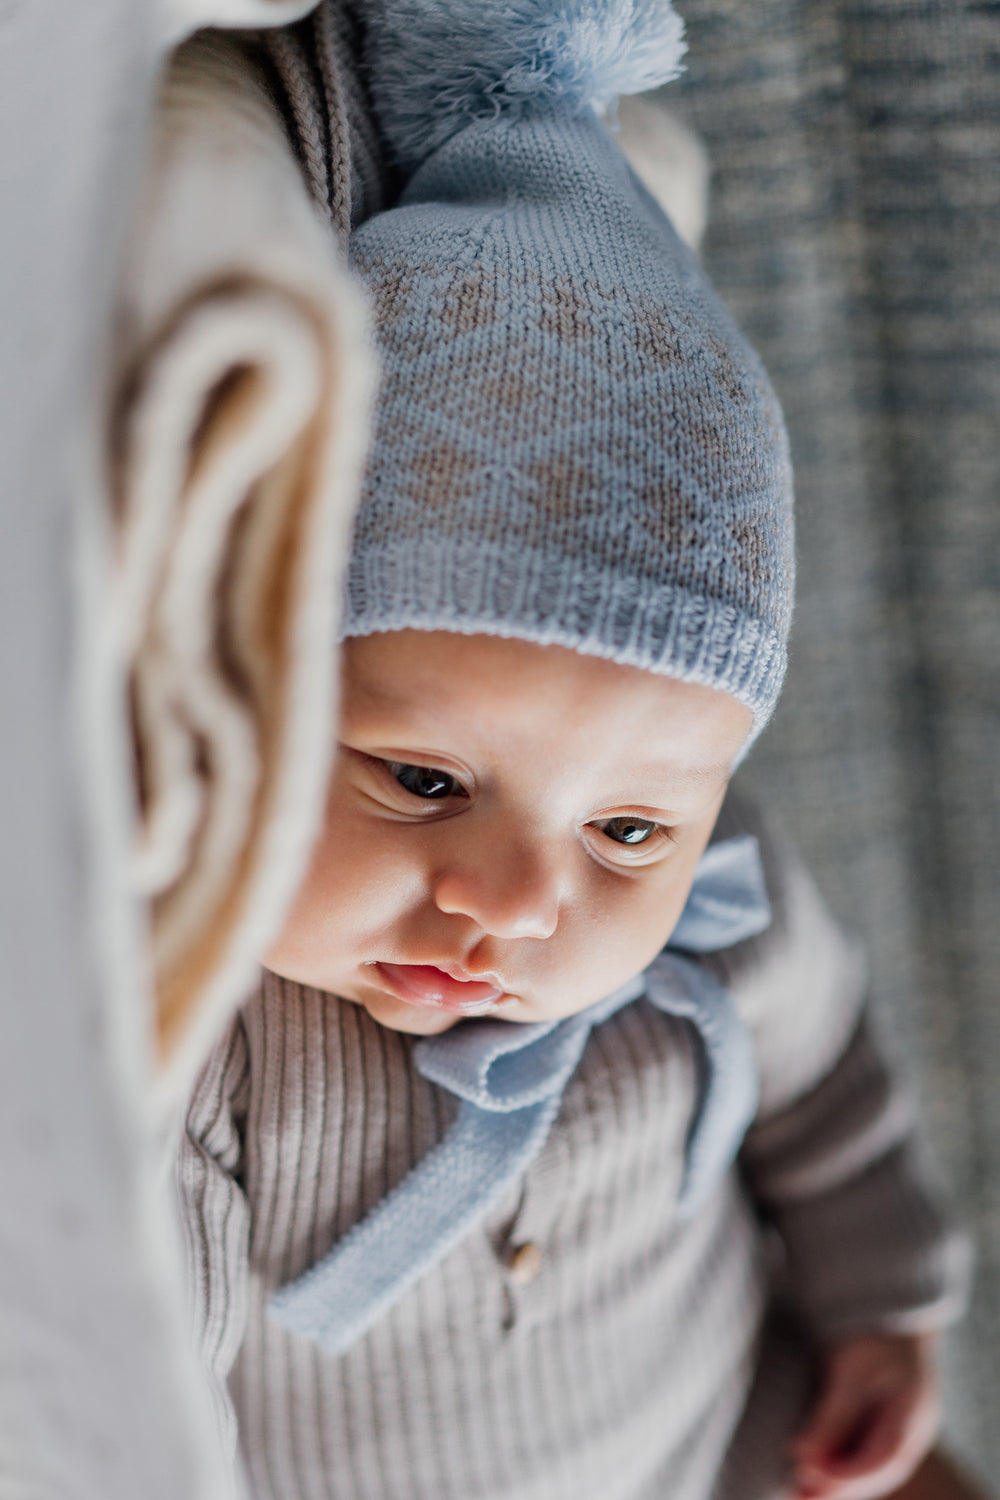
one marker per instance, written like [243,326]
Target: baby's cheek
[323,916]
[608,947]
[647,926]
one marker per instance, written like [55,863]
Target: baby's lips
[422,984]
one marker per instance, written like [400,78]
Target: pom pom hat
[574,444]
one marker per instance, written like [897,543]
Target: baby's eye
[630,840]
[425,781]
[627,830]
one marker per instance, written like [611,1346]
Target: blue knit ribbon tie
[510,1080]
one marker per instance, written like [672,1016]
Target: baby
[637,1216]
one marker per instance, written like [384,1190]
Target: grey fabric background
[854,231]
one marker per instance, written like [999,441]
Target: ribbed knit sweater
[584,1340]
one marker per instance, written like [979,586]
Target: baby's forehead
[389,666]
[496,690]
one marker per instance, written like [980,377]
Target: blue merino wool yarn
[574,444]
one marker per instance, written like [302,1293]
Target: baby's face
[510,830]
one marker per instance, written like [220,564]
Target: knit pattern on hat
[574,444]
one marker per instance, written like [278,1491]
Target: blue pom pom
[438,64]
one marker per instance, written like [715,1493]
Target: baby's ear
[669,159]
[238,427]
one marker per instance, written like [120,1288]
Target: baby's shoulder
[800,918]
[801,984]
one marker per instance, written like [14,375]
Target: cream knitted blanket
[238,431]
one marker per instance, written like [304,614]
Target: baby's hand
[876,1417]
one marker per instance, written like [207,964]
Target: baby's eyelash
[424,783]
[633,832]
[646,845]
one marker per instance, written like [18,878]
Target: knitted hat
[573,442]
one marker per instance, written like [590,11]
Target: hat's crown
[574,443]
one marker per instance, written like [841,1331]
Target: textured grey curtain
[855,230]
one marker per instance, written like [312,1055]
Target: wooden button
[524,1263]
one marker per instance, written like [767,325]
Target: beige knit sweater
[622,1355]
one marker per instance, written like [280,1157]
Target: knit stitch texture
[574,444]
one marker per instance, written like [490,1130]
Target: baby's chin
[397,1015]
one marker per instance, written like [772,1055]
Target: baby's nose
[509,892]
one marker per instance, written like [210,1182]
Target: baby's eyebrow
[370,692]
[695,777]
[374,695]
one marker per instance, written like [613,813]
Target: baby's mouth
[422,984]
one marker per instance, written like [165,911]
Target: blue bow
[510,1079]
